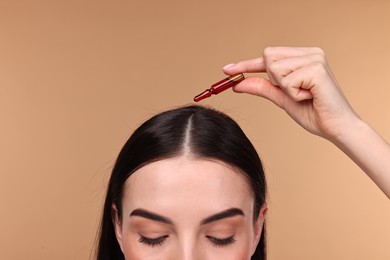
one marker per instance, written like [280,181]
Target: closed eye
[220,242]
[158,241]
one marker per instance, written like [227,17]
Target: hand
[300,82]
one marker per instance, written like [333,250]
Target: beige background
[77,77]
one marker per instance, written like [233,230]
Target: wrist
[351,130]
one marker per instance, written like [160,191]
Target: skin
[193,209]
[301,82]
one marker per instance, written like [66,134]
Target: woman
[188,184]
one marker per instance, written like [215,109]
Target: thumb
[263,88]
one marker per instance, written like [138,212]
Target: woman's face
[188,208]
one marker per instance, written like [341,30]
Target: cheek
[134,250]
[129,244]
[236,254]
[239,250]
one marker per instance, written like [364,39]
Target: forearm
[368,150]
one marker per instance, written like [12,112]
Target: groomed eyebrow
[149,215]
[229,213]
[224,214]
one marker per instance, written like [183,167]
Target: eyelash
[152,241]
[218,242]
[221,242]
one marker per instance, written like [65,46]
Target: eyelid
[220,242]
[152,241]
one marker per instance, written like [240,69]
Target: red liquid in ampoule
[220,86]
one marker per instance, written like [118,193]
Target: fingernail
[228,66]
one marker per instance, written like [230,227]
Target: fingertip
[237,89]
[308,97]
[246,86]
[253,65]
[261,87]
[302,95]
[228,66]
[229,69]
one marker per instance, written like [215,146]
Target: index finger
[252,65]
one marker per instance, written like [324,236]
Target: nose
[190,251]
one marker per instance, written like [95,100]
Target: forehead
[187,183]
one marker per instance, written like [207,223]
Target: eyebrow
[232,212]
[149,215]
[229,213]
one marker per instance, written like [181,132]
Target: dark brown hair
[208,134]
